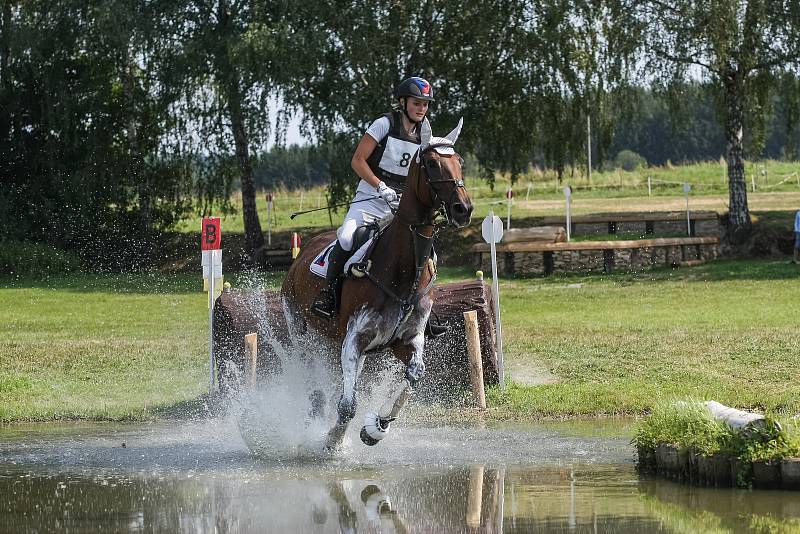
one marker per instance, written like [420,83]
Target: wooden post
[251,342]
[475,361]
[475,497]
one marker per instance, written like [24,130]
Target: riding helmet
[416,87]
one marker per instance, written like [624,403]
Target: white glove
[387,193]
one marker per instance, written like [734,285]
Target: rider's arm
[359,161]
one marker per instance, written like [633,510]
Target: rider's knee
[345,236]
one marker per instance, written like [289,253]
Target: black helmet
[416,87]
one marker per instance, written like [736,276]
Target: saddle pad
[320,264]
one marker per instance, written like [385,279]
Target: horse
[386,302]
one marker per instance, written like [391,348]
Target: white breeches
[360,214]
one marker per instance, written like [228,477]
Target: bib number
[397,156]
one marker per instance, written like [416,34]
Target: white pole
[753,181]
[213,273]
[686,188]
[301,201]
[528,193]
[510,199]
[589,147]
[649,187]
[569,218]
[496,290]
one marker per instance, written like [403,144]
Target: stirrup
[359,270]
[324,308]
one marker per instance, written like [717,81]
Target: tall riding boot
[325,305]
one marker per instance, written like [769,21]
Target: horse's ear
[425,134]
[452,136]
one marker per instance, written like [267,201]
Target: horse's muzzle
[460,213]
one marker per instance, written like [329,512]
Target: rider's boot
[325,305]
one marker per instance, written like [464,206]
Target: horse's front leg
[352,362]
[376,425]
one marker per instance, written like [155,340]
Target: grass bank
[619,344]
[134,346]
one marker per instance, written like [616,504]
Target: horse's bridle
[443,206]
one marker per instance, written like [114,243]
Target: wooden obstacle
[238,313]
[539,257]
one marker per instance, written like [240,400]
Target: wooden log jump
[238,313]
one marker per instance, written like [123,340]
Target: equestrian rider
[382,160]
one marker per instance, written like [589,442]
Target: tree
[80,124]
[741,46]
[522,74]
[231,57]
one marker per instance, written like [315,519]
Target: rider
[382,160]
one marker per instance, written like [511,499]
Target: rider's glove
[387,193]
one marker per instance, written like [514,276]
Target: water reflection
[51,488]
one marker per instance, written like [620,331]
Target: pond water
[200,477]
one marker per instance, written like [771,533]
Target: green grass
[101,346]
[689,426]
[620,344]
[133,346]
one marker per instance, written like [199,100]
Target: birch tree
[742,46]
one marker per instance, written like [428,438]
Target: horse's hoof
[317,399]
[374,429]
[367,439]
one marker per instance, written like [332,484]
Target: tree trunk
[138,171]
[254,238]
[739,215]
[5,55]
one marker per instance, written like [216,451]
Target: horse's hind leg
[376,425]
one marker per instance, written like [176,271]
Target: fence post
[251,342]
[475,360]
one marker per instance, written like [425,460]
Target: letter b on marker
[211,238]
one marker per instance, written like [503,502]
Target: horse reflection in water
[386,302]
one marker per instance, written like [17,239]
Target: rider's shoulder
[379,127]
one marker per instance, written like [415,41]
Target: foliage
[19,258]
[524,76]
[291,167]
[80,122]
[771,444]
[629,160]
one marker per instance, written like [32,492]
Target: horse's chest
[386,326]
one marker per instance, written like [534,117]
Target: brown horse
[387,303]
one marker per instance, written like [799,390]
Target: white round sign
[687,187]
[567,191]
[492,227]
